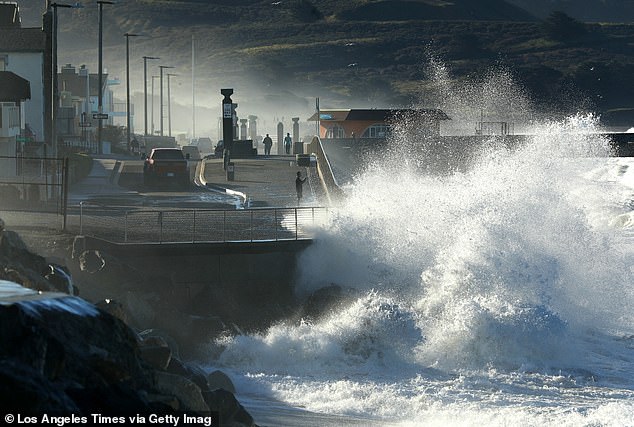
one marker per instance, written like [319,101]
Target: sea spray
[495,292]
[373,333]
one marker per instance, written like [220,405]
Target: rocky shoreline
[62,355]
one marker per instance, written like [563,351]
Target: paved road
[262,181]
[266,181]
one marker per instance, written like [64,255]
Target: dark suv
[166,165]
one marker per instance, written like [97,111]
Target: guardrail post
[125,228]
[276,237]
[81,217]
[194,227]
[160,220]
[224,225]
[251,225]
[296,230]
[65,178]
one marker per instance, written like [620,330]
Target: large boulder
[186,391]
[327,300]
[218,379]
[62,355]
[71,347]
[18,264]
[231,412]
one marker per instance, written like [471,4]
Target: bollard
[230,171]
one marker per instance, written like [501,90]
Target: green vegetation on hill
[364,53]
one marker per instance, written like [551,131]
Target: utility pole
[100,116]
[127,83]
[145,59]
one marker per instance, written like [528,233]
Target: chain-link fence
[33,184]
[200,225]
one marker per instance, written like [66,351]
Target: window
[335,131]
[378,130]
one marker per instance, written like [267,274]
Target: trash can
[230,171]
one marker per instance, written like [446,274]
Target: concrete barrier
[324,170]
[250,271]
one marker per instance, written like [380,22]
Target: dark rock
[120,399]
[227,406]
[66,340]
[156,352]
[59,277]
[25,277]
[13,247]
[156,356]
[21,266]
[326,300]
[62,355]
[156,335]
[190,372]
[114,308]
[218,379]
[188,393]
[24,390]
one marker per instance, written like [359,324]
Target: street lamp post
[54,90]
[145,59]
[127,82]
[169,105]
[161,96]
[100,3]
[152,110]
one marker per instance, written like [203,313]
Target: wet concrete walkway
[265,181]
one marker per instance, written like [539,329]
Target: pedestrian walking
[288,141]
[268,142]
[299,183]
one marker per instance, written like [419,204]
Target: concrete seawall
[256,275]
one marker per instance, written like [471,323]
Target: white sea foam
[495,293]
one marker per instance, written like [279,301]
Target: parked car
[204,144]
[166,165]
[191,152]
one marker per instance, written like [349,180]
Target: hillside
[279,56]
[583,10]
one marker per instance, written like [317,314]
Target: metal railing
[124,225]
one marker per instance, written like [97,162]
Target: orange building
[372,123]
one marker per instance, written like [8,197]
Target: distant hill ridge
[582,10]
[207,12]
[177,13]
[280,54]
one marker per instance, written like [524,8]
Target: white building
[22,52]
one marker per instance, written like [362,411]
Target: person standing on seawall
[268,142]
[299,183]
[288,141]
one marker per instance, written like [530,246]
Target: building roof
[22,40]
[13,88]
[375,115]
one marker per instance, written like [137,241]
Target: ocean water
[498,293]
